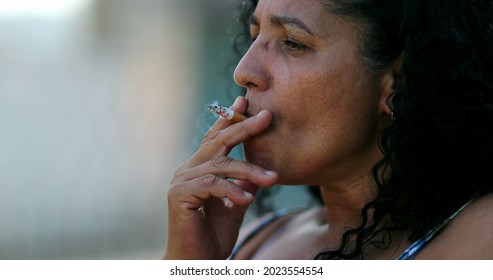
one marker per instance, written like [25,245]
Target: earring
[391,106]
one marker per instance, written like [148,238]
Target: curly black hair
[438,150]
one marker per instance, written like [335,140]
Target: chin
[260,160]
[257,156]
[267,161]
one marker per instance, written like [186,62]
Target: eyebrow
[284,21]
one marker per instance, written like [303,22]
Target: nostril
[249,85]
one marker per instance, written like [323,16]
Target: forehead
[313,13]
[307,8]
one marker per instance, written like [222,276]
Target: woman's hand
[210,193]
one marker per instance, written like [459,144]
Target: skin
[315,114]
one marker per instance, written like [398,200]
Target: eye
[254,32]
[293,45]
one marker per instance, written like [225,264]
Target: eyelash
[293,45]
[289,44]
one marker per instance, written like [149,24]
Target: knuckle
[214,138]
[178,173]
[210,136]
[220,161]
[182,169]
[173,191]
[209,180]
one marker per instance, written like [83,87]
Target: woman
[386,105]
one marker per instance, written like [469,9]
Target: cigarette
[226,113]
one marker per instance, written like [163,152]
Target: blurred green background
[100,101]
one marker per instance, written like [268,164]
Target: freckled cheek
[293,112]
[303,92]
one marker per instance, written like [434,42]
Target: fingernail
[238,99]
[270,173]
[247,195]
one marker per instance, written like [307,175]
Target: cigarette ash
[221,111]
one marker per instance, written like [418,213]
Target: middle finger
[227,167]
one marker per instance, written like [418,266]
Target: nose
[252,71]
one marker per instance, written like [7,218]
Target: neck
[343,202]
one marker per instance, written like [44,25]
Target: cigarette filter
[226,113]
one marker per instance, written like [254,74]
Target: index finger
[240,105]
[221,142]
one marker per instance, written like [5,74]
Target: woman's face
[305,67]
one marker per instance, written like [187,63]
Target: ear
[392,79]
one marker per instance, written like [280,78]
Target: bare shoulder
[256,233]
[468,236]
[283,238]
